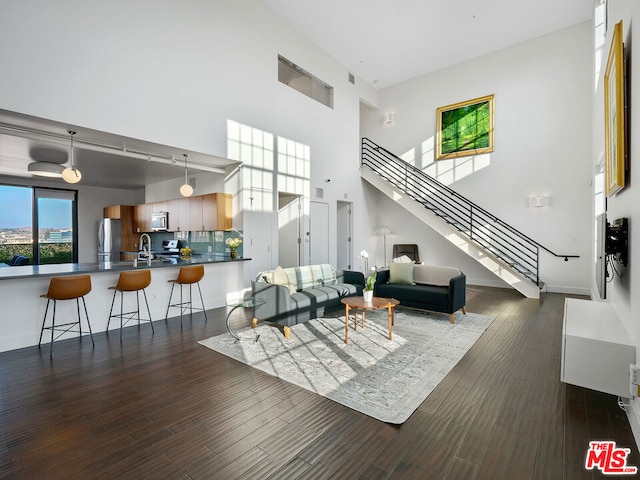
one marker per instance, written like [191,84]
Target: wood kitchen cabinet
[199,213]
[126,214]
[211,212]
[177,214]
[224,211]
[195,214]
[142,217]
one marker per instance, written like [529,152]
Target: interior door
[318,234]
[289,229]
[344,235]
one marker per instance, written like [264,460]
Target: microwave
[159,221]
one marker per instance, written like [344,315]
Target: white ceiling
[381,41]
[385,42]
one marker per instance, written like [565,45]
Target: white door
[318,234]
[289,229]
[258,243]
[344,235]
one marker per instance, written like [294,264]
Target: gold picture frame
[614,115]
[465,128]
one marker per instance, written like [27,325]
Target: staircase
[504,251]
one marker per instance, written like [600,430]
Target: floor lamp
[384,230]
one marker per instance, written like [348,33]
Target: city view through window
[53,239]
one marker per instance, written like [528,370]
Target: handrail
[501,239]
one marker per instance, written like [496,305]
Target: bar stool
[187,275]
[131,281]
[71,287]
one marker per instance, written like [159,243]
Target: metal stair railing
[497,237]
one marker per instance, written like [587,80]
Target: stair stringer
[486,259]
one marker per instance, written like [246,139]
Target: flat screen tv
[612,245]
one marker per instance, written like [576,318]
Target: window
[41,225]
[295,77]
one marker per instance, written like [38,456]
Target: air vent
[319,192]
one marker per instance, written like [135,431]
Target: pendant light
[186,190]
[71,174]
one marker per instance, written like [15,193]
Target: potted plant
[370,280]
[233,244]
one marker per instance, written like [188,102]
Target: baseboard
[548,288]
[482,282]
[633,415]
[568,290]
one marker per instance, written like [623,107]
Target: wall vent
[319,192]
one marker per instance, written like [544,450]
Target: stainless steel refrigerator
[109,240]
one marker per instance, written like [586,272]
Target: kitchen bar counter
[23,308]
[29,271]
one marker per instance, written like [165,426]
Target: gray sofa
[428,287]
[289,296]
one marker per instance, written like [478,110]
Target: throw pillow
[401,273]
[434,275]
[402,259]
[280,278]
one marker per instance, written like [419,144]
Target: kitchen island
[23,309]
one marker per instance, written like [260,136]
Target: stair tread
[462,224]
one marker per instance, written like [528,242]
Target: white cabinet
[596,348]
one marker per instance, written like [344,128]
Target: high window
[299,79]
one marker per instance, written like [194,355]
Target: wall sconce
[388,118]
[539,201]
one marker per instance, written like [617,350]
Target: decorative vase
[368,296]
[233,253]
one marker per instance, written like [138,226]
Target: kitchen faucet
[146,247]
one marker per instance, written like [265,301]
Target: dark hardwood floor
[164,407]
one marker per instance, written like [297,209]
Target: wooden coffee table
[358,303]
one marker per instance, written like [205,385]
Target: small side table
[358,303]
[246,303]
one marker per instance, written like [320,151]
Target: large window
[40,224]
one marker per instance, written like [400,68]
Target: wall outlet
[634,380]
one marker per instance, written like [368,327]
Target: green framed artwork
[465,128]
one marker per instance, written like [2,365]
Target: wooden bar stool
[131,281]
[187,275]
[72,287]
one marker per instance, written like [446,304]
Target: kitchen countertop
[31,271]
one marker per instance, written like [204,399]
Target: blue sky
[16,209]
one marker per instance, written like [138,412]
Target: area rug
[385,379]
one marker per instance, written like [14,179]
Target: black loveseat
[439,289]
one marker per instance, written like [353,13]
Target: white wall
[174,73]
[543,113]
[624,293]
